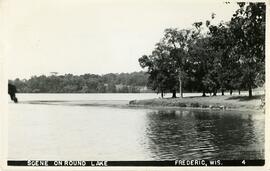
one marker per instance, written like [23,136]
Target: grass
[238,102]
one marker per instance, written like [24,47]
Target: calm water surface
[66,132]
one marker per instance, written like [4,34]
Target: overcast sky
[86,36]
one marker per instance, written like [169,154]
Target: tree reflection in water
[198,134]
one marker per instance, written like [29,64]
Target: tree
[201,58]
[157,78]
[161,69]
[177,42]
[248,29]
[224,62]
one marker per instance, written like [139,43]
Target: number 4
[243,162]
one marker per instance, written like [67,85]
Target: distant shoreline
[235,102]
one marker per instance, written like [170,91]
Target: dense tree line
[211,57]
[88,83]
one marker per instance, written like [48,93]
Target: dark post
[174,94]
[250,92]
[12,92]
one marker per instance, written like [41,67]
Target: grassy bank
[214,102]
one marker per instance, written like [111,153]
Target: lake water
[58,127]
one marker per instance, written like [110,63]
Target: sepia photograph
[133,83]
